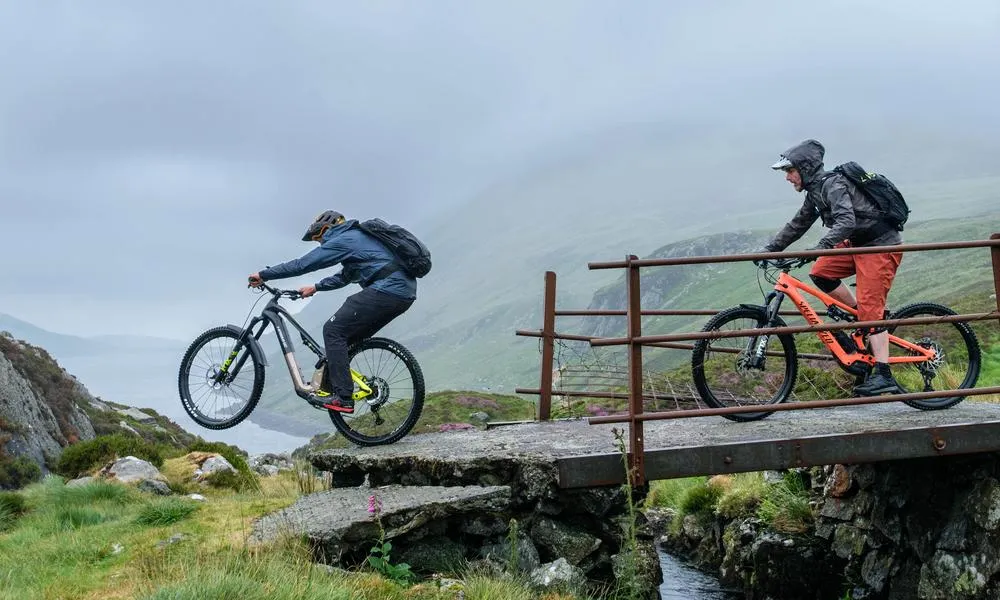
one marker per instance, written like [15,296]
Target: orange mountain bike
[762,369]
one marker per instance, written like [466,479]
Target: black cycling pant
[360,317]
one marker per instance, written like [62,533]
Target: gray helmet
[324,221]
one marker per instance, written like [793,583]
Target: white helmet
[782,164]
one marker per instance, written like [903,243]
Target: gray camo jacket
[833,199]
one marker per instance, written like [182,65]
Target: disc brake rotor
[380,392]
[212,376]
[929,368]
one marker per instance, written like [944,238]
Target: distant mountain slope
[64,346]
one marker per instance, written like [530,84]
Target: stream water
[682,581]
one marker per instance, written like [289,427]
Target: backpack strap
[384,272]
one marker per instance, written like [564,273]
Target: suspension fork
[757,346]
[230,374]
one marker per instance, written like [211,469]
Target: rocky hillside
[41,410]
[44,409]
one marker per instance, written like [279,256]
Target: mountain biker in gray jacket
[854,220]
[387,292]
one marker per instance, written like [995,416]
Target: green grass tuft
[12,506]
[785,506]
[95,491]
[743,497]
[667,493]
[700,499]
[75,517]
[165,511]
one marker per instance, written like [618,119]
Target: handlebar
[784,264]
[290,294]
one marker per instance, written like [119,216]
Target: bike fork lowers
[757,346]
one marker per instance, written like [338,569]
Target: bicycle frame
[787,285]
[274,314]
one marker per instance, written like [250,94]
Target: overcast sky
[154,153]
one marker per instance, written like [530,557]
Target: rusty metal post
[995,253]
[548,346]
[636,438]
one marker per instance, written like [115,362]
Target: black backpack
[410,252]
[879,190]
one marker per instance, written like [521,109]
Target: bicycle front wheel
[214,400]
[397,397]
[723,369]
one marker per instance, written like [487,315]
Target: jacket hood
[807,157]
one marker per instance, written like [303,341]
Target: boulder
[131,470]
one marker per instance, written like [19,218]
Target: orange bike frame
[791,287]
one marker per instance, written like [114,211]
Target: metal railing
[635,340]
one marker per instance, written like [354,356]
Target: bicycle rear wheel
[722,372]
[397,398]
[214,401]
[958,355]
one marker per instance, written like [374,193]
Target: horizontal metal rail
[587,338]
[693,260]
[556,336]
[801,405]
[672,312]
[712,335]
[612,395]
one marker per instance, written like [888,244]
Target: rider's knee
[825,283]
[331,327]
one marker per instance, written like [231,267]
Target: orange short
[875,273]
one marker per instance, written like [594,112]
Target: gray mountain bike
[222,377]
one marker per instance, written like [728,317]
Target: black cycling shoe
[880,381]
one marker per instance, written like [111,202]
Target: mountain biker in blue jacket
[387,292]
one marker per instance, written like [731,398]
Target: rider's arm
[842,213]
[327,255]
[795,228]
[333,282]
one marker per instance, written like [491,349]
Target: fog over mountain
[154,155]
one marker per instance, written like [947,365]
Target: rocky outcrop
[927,529]
[44,408]
[341,525]
[920,529]
[562,534]
[31,424]
[270,464]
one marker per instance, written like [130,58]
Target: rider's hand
[255,280]
[307,291]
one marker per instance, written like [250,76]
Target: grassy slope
[88,543]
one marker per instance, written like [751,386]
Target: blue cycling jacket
[362,256]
